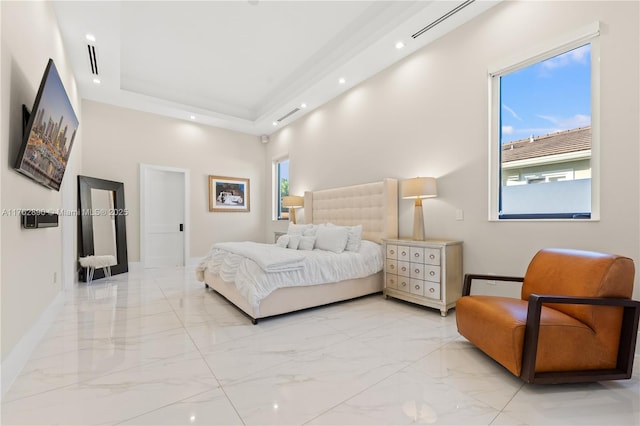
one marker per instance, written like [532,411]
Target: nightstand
[427,273]
[277,235]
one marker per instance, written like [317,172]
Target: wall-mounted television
[49,133]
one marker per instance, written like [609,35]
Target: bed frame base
[292,299]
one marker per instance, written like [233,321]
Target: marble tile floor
[155,348]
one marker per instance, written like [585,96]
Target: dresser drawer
[431,290]
[404,284]
[392,281]
[404,268]
[417,287]
[417,254]
[392,251]
[404,253]
[432,256]
[417,271]
[432,273]
[392,266]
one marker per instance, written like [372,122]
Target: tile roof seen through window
[573,140]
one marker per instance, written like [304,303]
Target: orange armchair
[575,320]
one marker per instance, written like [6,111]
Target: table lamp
[419,188]
[293,202]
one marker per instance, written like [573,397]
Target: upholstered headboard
[372,205]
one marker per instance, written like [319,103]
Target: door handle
[181,227]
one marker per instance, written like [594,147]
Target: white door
[163,213]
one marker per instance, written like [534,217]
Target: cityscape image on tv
[52,133]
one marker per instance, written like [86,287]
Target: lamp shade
[292,201]
[419,187]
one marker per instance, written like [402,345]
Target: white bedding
[319,266]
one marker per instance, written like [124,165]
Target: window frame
[588,34]
[277,199]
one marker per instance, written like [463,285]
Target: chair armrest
[468,279]
[628,332]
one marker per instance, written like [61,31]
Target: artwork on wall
[228,194]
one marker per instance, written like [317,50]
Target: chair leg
[90,271]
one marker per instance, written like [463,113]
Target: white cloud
[512,112]
[507,130]
[566,123]
[578,55]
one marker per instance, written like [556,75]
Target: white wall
[428,116]
[30,258]
[117,140]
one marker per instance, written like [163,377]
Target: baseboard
[13,364]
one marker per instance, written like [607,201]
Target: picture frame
[229,194]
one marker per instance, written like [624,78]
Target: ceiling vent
[442,18]
[92,59]
[287,115]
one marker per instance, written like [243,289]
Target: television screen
[49,133]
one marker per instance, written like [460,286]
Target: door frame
[144,168]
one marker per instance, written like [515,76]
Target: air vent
[92,59]
[287,115]
[442,18]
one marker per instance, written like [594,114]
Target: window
[281,187]
[544,133]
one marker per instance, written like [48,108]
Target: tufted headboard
[372,205]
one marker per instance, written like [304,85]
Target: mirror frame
[85,224]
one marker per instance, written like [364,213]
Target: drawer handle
[392,251]
[432,256]
[417,287]
[432,273]
[392,267]
[417,271]
[404,268]
[391,281]
[417,254]
[432,290]
[404,253]
[404,284]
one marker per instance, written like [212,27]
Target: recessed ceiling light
[342,80]
[303,105]
[192,117]
[399,45]
[275,123]
[96,81]
[90,37]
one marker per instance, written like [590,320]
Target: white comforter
[318,267]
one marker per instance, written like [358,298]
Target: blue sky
[547,97]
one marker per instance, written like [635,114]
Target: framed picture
[228,194]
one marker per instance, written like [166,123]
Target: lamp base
[293,214]
[418,221]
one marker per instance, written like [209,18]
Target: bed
[374,206]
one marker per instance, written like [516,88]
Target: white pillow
[332,238]
[310,231]
[283,241]
[295,229]
[307,243]
[294,241]
[355,236]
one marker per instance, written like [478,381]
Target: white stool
[93,262]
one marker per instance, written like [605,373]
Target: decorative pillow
[332,238]
[283,241]
[355,236]
[295,229]
[310,231]
[307,243]
[294,241]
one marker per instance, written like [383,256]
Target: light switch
[459,214]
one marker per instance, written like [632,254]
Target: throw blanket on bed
[270,258]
